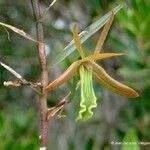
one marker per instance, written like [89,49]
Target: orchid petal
[103,78]
[69,73]
[101,56]
[77,41]
[73,69]
[103,35]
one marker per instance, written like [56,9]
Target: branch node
[56,110]
[12,83]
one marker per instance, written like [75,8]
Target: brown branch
[44,75]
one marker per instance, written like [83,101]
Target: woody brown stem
[44,75]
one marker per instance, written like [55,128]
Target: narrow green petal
[88,98]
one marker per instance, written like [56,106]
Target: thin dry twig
[17,75]
[20,81]
[47,9]
[56,109]
[18,31]
[8,35]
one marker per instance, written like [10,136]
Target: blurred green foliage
[135,22]
[17,131]
[132,140]
[115,115]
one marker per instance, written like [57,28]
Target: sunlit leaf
[18,31]
[88,98]
[84,35]
[107,81]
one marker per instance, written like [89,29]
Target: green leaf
[88,98]
[84,35]
[130,141]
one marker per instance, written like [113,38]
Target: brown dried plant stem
[44,75]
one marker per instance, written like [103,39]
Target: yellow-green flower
[88,69]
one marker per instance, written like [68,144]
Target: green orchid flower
[88,69]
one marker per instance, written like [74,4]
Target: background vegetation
[115,117]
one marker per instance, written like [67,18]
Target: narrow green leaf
[18,31]
[84,35]
[88,98]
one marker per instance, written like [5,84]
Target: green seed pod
[88,98]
